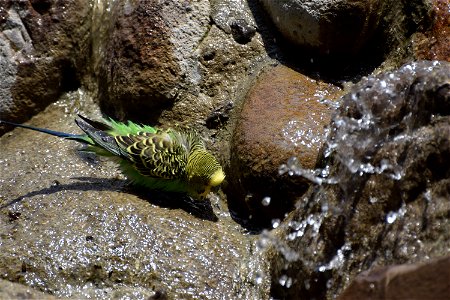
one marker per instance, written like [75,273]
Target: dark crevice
[70,80]
[41,6]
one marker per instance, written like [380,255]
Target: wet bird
[161,159]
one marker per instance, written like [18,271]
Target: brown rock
[282,117]
[146,55]
[421,281]
[433,44]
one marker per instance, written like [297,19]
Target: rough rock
[345,28]
[432,44]
[385,199]
[10,290]
[429,280]
[147,56]
[42,46]
[164,62]
[71,227]
[328,26]
[234,17]
[282,116]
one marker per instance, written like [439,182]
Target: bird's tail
[101,137]
[82,138]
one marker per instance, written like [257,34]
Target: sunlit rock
[71,227]
[428,280]
[284,115]
[432,43]
[234,17]
[167,62]
[10,290]
[345,27]
[146,54]
[42,45]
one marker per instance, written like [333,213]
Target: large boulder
[71,227]
[284,115]
[43,47]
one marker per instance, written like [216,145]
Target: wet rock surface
[10,290]
[388,201]
[284,115]
[430,280]
[72,226]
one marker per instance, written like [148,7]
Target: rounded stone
[283,116]
[332,26]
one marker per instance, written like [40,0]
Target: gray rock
[332,26]
[234,16]
[10,290]
[41,46]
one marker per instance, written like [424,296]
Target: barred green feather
[163,159]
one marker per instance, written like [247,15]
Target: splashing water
[392,216]
[318,176]
[285,281]
[267,239]
[338,260]
[360,150]
[266,201]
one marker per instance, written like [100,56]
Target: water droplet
[329,283]
[258,278]
[373,200]
[307,284]
[289,282]
[266,201]
[427,195]
[285,281]
[391,217]
[275,223]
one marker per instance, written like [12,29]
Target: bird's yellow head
[214,180]
[204,172]
[217,177]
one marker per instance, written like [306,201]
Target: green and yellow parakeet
[163,159]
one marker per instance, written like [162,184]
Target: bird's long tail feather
[98,133]
[82,138]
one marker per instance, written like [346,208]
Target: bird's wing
[157,155]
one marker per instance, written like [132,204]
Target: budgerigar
[163,159]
